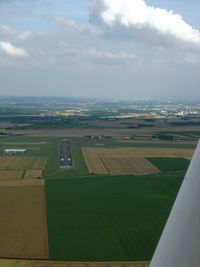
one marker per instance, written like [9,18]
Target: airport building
[15,151]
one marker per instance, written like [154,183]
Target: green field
[108,218]
[170,164]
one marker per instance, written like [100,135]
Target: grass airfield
[94,217]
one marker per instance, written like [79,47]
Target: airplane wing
[179,245]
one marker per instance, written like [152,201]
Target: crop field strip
[22,163]
[23,225]
[33,174]
[16,168]
[17,174]
[94,162]
[21,183]
[128,165]
[116,161]
[11,174]
[23,263]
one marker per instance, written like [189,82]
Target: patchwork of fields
[14,167]
[116,215]
[136,161]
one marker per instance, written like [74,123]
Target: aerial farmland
[88,195]
[110,206]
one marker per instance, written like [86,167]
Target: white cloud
[9,49]
[20,35]
[98,57]
[25,35]
[136,15]
[4,29]
[192,58]
[76,27]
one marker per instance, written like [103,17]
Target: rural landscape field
[88,199]
[99,133]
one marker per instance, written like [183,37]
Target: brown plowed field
[18,263]
[23,226]
[118,161]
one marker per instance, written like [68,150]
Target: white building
[15,151]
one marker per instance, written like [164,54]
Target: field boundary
[21,183]
[37,263]
[45,224]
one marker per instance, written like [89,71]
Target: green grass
[170,164]
[108,218]
[182,133]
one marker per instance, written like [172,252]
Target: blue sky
[101,51]
[37,14]
[78,10]
[35,11]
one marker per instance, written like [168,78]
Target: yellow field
[128,165]
[22,163]
[118,161]
[11,174]
[14,168]
[18,263]
[32,174]
[23,226]
[93,161]
[22,182]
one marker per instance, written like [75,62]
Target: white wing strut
[179,245]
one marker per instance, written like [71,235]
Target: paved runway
[65,154]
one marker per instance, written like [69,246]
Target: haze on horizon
[135,49]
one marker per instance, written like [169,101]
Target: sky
[128,49]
